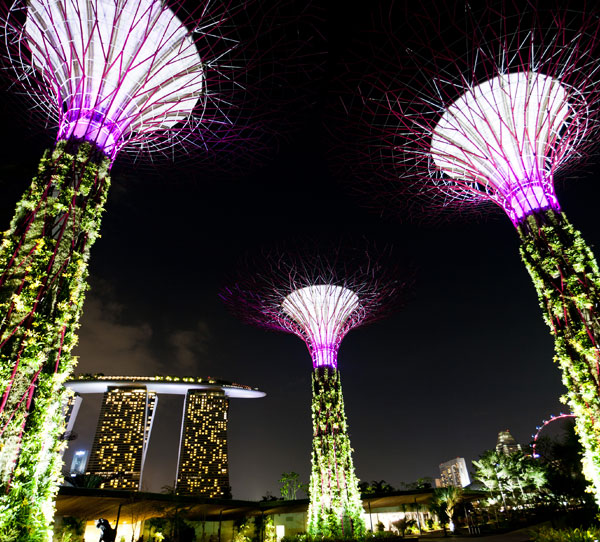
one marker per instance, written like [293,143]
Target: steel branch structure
[109,75]
[320,297]
[489,111]
[143,72]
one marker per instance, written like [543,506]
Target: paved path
[520,535]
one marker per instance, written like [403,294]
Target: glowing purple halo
[317,295]
[491,118]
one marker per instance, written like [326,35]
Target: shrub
[547,534]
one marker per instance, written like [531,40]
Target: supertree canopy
[126,75]
[322,314]
[489,110]
[501,137]
[109,75]
[320,296]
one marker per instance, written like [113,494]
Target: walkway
[520,535]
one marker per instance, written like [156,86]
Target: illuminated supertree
[489,110]
[321,296]
[111,76]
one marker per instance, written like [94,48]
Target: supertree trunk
[567,281]
[335,507]
[43,271]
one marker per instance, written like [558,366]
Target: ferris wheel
[541,427]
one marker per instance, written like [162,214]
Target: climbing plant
[567,281]
[335,508]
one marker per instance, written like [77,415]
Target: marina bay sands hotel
[121,441]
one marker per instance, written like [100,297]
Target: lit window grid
[121,439]
[203,463]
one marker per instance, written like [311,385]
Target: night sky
[468,355]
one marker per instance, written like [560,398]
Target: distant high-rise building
[506,443]
[203,467]
[454,473]
[78,462]
[121,440]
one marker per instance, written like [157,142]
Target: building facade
[203,464]
[121,440]
[507,444]
[454,473]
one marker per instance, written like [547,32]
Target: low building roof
[91,504]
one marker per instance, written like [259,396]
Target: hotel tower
[125,423]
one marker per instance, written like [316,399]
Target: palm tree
[445,503]
[454,497]
[437,506]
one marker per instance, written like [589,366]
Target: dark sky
[468,355]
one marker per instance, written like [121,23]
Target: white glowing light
[322,312]
[118,66]
[503,134]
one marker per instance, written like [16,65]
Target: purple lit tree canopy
[124,74]
[512,157]
[488,111]
[320,296]
[143,71]
[322,314]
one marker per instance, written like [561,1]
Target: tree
[171,528]
[488,473]
[71,529]
[264,529]
[268,496]
[515,480]
[375,487]
[421,483]
[445,505]
[291,485]
[91,481]
[439,507]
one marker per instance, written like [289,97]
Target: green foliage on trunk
[335,506]
[567,281]
[43,279]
